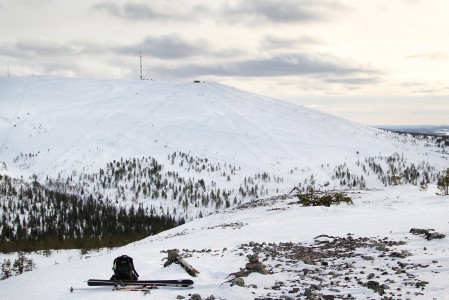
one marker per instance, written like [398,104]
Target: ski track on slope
[236,115]
[20,93]
[74,147]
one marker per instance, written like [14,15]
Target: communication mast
[141,66]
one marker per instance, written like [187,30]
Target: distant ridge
[442,130]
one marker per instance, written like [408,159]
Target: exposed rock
[284,297]
[195,297]
[375,286]
[417,231]
[174,257]
[434,235]
[380,246]
[307,260]
[421,284]
[238,282]
[339,264]
[430,234]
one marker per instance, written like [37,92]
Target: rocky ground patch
[331,267]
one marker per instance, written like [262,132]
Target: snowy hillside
[360,251]
[90,164]
[55,126]
[176,151]
[52,126]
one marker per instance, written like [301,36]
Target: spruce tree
[6,269]
[443,183]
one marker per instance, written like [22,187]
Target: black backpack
[124,269]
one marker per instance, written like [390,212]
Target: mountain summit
[56,125]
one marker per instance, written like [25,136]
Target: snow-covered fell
[81,124]
[57,128]
[196,149]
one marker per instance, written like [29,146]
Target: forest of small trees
[20,265]
[36,218]
[104,208]
[135,180]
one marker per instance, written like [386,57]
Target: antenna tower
[141,66]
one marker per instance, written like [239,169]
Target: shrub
[443,183]
[313,198]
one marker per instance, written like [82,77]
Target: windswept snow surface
[57,127]
[389,213]
[81,124]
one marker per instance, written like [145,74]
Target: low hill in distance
[440,130]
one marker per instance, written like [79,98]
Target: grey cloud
[430,56]
[167,47]
[54,68]
[36,48]
[136,11]
[276,42]
[281,65]
[354,81]
[280,11]
[129,11]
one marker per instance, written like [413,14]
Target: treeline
[36,218]
[440,141]
[180,186]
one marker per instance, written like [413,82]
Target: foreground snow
[388,213]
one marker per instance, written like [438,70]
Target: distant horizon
[440,130]
[410,125]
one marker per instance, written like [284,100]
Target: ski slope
[81,124]
[56,127]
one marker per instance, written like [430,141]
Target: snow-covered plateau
[225,161]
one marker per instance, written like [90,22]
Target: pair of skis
[140,283]
[145,289]
[144,286]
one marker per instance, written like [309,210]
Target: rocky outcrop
[429,234]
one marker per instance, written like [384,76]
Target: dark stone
[417,231]
[238,282]
[376,287]
[421,284]
[195,297]
[253,258]
[434,235]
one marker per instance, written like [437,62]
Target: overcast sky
[373,62]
